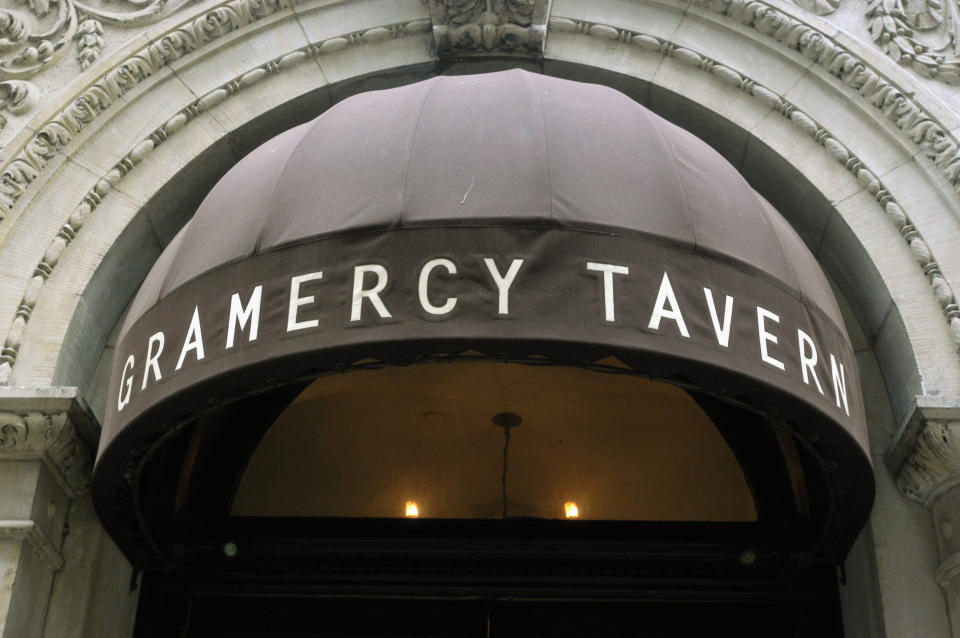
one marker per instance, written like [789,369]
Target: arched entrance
[357,212]
[884,285]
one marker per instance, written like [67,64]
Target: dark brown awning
[509,214]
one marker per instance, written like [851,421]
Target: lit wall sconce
[411,510]
[570,510]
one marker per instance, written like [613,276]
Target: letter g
[124,398]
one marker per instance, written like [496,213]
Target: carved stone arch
[175,110]
[202,99]
[858,155]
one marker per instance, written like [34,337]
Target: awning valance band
[360,292]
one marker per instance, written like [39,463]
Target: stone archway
[856,154]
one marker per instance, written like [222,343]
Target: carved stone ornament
[35,34]
[29,161]
[925,457]
[921,34]
[948,570]
[819,7]
[480,26]
[50,437]
[53,429]
[934,465]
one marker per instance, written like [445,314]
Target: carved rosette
[934,463]
[513,27]
[48,436]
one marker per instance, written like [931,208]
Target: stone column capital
[53,425]
[925,455]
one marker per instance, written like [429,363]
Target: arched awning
[511,215]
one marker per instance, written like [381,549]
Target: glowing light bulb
[570,510]
[411,511]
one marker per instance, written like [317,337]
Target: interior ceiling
[362,444]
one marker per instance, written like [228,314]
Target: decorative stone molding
[925,457]
[17,97]
[69,230]
[923,35]
[948,570]
[53,426]
[27,530]
[194,33]
[920,127]
[841,153]
[58,131]
[36,36]
[934,465]
[464,27]
[89,39]
[452,16]
[461,27]
[819,7]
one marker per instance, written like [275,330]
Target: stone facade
[116,117]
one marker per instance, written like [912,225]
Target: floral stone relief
[923,35]
[36,35]
[44,44]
